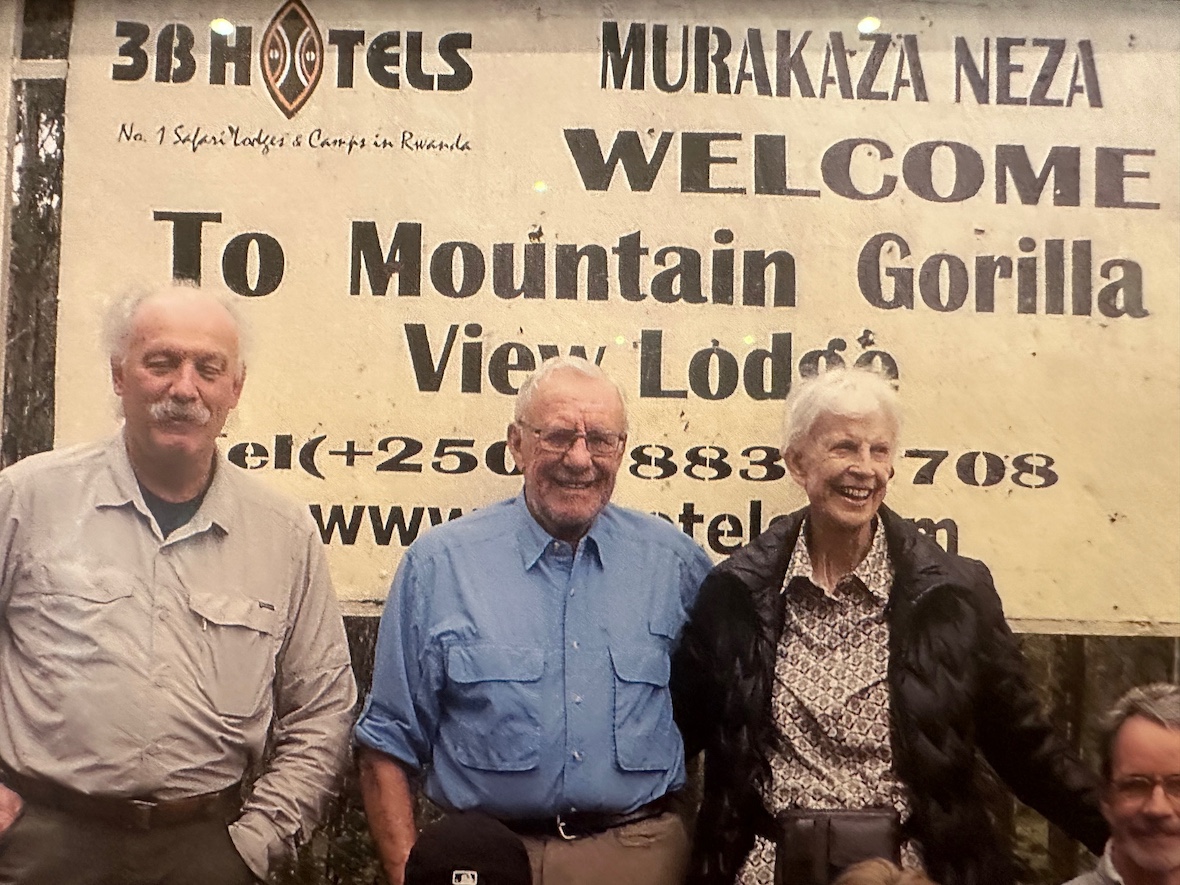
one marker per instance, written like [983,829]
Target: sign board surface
[419,204]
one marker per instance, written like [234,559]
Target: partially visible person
[167,630]
[843,672]
[1140,759]
[879,871]
[468,848]
[523,658]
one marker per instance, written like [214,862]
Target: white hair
[850,393]
[121,312]
[528,390]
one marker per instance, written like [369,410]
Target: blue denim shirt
[526,679]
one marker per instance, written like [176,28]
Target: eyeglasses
[1139,789]
[559,440]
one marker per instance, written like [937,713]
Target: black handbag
[815,846]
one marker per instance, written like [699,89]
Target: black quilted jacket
[956,684]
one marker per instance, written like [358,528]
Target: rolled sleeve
[400,716]
[315,694]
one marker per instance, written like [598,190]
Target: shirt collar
[533,540]
[118,487]
[874,571]
[1106,869]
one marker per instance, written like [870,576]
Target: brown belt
[132,814]
[580,824]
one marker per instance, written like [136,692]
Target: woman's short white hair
[121,312]
[850,393]
[528,390]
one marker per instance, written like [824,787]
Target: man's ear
[117,376]
[514,440]
[239,383]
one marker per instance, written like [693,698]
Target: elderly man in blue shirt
[523,658]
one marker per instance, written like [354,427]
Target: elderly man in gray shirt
[161,615]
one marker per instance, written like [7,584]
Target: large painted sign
[419,203]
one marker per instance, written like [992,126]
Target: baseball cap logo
[465,877]
[292,57]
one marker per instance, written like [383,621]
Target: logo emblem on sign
[292,57]
[464,877]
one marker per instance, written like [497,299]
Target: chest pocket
[492,707]
[79,609]
[238,638]
[646,738]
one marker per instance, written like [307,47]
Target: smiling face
[1145,832]
[844,464]
[178,379]
[566,491]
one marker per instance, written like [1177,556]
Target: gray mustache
[169,410]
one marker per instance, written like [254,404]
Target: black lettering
[918,172]
[532,283]
[1063,163]
[1005,68]
[186,241]
[415,75]
[597,172]
[1109,174]
[965,66]
[836,168]
[1048,71]
[175,45]
[461,74]
[617,58]
[789,65]
[222,54]
[509,357]
[471,269]
[868,273]
[568,260]
[681,281]
[651,367]
[864,86]
[697,160]
[382,59]
[346,43]
[754,265]
[235,263]
[137,34]
[428,373]
[337,524]
[404,258]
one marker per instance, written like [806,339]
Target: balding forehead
[578,386]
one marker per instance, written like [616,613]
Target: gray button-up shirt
[131,665]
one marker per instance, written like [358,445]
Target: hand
[10,806]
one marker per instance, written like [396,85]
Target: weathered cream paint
[1096,552]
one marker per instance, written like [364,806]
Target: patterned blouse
[831,699]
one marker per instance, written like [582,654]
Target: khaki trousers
[647,852]
[48,847]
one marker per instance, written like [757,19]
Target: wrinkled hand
[10,806]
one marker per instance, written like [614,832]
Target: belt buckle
[141,813]
[561,830]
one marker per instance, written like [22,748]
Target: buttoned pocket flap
[83,581]
[235,611]
[487,662]
[649,665]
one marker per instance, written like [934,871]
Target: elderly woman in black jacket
[842,671]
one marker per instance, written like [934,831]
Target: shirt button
[573,590]
[162,615]
[577,755]
[577,699]
[574,645]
